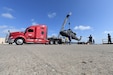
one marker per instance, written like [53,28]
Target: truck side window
[30,30]
[42,32]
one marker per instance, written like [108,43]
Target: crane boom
[65,21]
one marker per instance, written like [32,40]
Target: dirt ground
[35,59]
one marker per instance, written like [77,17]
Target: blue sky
[93,17]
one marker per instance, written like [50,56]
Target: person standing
[90,39]
[93,41]
[66,40]
[109,38]
[69,39]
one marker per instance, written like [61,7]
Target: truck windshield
[26,30]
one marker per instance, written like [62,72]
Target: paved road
[56,59]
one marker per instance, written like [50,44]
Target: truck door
[30,33]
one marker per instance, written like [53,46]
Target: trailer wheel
[56,42]
[19,41]
[51,42]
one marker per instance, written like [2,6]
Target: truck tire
[51,42]
[19,41]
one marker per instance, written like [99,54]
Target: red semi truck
[32,34]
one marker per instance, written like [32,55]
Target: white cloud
[8,9]
[7,15]
[81,27]
[53,35]
[4,29]
[3,26]
[33,22]
[13,30]
[106,32]
[52,15]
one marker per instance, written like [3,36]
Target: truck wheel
[51,42]
[19,41]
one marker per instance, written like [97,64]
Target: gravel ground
[35,59]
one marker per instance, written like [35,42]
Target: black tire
[56,42]
[51,42]
[19,41]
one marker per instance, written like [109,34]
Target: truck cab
[32,34]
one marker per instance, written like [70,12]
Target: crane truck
[38,34]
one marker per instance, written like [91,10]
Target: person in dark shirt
[109,38]
[90,39]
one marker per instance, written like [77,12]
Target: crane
[68,33]
[65,21]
